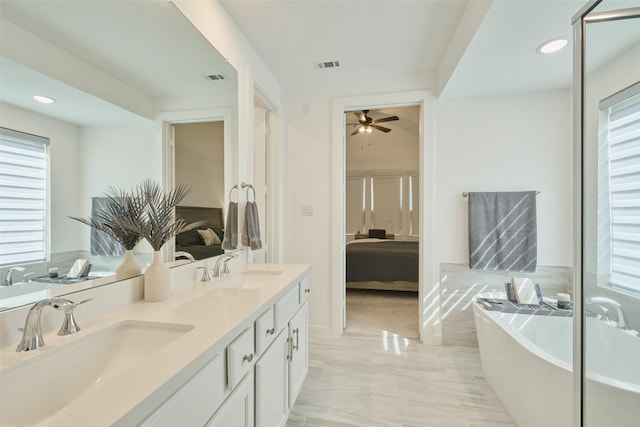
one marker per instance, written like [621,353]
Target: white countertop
[218,314]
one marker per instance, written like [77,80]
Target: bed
[382,264]
[192,241]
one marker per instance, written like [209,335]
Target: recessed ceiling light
[552,46]
[44,99]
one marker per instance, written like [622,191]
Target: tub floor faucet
[8,279]
[604,303]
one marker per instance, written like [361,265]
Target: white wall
[199,163]
[65,169]
[308,152]
[119,156]
[506,143]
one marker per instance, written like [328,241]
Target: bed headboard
[212,216]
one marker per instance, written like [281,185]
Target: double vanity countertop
[189,329]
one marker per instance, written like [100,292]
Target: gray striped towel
[101,244]
[503,231]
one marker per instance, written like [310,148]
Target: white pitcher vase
[157,280]
[129,267]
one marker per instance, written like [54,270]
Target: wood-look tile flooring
[378,376]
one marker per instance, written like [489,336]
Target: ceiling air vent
[214,77]
[330,64]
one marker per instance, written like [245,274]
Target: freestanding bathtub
[527,360]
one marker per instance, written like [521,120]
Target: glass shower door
[610,273]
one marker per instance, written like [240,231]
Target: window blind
[624,169]
[23,197]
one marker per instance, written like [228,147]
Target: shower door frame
[579,22]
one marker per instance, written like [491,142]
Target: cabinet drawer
[286,307]
[240,357]
[304,289]
[265,331]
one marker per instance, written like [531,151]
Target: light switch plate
[307,210]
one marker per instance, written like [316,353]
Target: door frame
[165,123]
[428,290]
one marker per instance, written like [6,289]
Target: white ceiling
[390,39]
[370,39]
[477,47]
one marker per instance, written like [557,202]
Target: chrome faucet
[602,303]
[221,268]
[205,274]
[32,333]
[8,279]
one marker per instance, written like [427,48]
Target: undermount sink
[249,279]
[41,386]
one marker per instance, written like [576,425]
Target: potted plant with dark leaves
[159,224]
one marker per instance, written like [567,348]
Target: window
[24,183]
[386,200]
[622,190]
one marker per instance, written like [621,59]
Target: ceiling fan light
[361,130]
[369,129]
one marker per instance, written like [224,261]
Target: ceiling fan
[366,124]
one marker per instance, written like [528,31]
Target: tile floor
[379,375]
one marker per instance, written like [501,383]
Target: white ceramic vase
[157,280]
[129,267]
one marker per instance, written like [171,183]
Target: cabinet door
[237,410]
[196,401]
[299,356]
[271,384]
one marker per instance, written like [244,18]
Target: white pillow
[209,237]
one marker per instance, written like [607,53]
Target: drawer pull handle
[307,290]
[248,357]
[297,334]
[271,331]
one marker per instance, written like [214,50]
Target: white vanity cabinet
[281,370]
[256,375]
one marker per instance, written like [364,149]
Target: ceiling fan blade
[383,129]
[361,117]
[355,132]
[387,119]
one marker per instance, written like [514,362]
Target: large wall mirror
[124,77]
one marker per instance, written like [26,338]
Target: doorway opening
[428,286]
[382,227]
